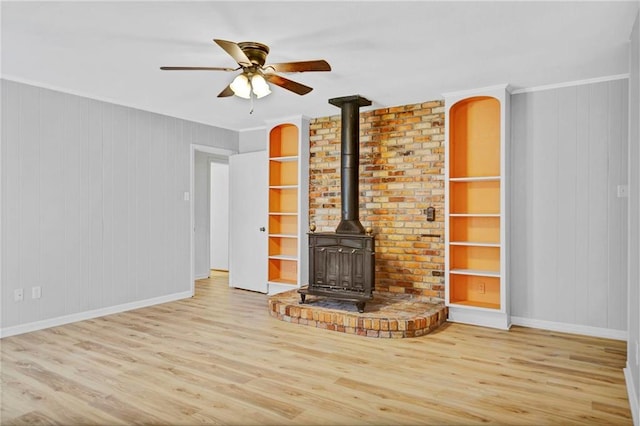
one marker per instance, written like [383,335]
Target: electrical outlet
[36,292]
[623,191]
[18,295]
[481,288]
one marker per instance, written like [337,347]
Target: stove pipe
[350,162]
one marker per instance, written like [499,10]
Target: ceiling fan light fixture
[260,86]
[241,86]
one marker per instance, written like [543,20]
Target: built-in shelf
[476,304]
[285,159]
[475,209]
[478,272]
[474,215]
[475,179]
[283,186]
[283,257]
[473,243]
[288,204]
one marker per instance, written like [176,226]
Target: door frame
[192,222]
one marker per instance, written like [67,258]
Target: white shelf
[475,304]
[474,215]
[283,187]
[475,179]
[474,244]
[283,235]
[283,257]
[476,272]
[284,159]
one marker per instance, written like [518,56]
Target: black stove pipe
[350,162]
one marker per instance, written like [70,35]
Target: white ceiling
[393,53]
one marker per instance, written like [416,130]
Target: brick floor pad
[388,315]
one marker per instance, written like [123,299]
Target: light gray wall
[253,140]
[93,206]
[219,216]
[568,227]
[634,215]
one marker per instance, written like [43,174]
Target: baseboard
[606,333]
[633,398]
[81,316]
[202,277]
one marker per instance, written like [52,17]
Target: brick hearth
[388,315]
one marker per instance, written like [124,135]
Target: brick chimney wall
[401,175]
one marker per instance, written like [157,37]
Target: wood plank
[219,358]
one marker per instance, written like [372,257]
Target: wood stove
[342,263]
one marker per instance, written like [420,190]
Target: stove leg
[360,306]
[303,297]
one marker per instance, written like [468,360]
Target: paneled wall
[93,206]
[568,226]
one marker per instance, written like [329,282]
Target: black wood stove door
[341,263]
[351,269]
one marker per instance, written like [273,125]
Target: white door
[248,213]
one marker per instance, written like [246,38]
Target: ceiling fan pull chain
[251,100]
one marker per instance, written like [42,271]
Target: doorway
[202,158]
[219,215]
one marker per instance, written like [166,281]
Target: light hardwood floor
[219,358]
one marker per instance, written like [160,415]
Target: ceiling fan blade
[302,66]
[234,50]
[197,69]
[226,92]
[291,85]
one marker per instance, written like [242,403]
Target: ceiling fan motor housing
[256,52]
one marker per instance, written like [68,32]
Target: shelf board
[283,257]
[474,215]
[283,213]
[283,187]
[473,243]
[478,272]
[475,304]
[283,281]
[284,235]
[284,159]
[474,179]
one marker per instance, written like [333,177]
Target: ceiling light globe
[260,86]
[241,86]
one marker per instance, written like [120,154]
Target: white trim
[475,92]
[82,316]
[631,393]
[586,330]
[201,277]
[570,84]
[479,316]
[145,108]
[209,150]
[253,129]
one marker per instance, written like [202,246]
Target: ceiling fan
[251,57]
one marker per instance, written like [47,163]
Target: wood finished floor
[219,358]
